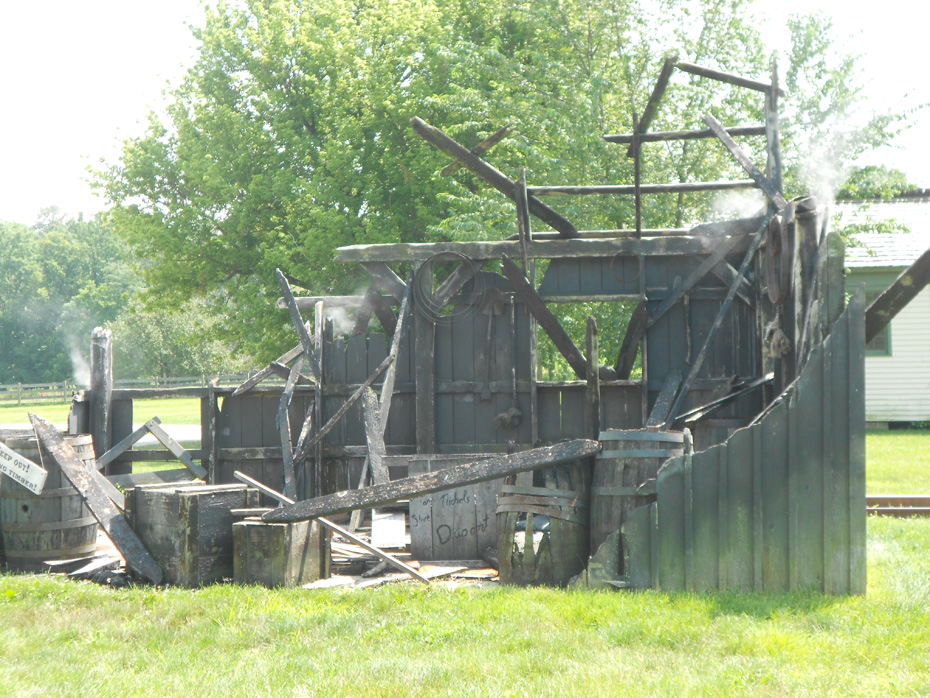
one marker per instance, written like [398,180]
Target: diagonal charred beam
[544,317]
[626,357]
[760,179]
[492,176]
[652,106]
[427,483]
[390,281]
[479,150]
[893,299]
[340,413]
[712,260]
[728,78]
[272,368]
[84,479]
[305,342]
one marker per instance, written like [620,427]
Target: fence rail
[37,393]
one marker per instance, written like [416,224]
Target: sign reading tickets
[22,470]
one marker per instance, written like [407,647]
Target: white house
[897,364]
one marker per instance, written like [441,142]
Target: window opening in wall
[613,318]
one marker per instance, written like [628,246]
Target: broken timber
[117,528]
[335,528]
[427,483]
[893,299]
[491,175]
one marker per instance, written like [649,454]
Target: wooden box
[457,524]
[188,528]
[280,554]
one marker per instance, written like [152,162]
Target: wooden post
[101,389]
[424,330]
[592,413]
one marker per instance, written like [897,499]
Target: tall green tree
[290,136]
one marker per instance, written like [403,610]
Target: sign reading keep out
[22,470]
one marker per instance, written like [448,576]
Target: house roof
[885,250]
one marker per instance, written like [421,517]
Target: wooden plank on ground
[113,523]
[427,483]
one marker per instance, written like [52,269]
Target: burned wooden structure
[735,325]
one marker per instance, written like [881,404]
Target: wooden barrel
[552,553]
[55,525]
[628,458]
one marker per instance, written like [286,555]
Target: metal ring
[639,272]
[423,295]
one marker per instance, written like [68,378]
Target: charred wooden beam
[592,412]
[305,342]
[340,413]
[427,483]
[390,281]
[544,249]
[544,317]
[479,150]
[85,482]
[491,175]
[663,404]
[694,277]
[610,234]
[339,530]
[271,369]
[728,78]
[101,389]
[374,436]
[284,429]
[652,106]
[661,136]
[674,188]
[760,179]
[718,323]
[626,357]
[387,388]
[894,298]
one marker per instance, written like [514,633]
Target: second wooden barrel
[628,459]
[55,525]
[543,528]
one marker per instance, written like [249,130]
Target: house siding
[897,387]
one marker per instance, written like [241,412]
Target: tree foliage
[58,280]
[875,182]
[290,135]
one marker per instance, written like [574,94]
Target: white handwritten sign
[22,470]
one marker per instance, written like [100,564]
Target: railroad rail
[903,505]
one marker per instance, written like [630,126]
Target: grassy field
[170,411]
[79,639]
[898,462]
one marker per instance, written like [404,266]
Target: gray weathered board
[781,504]
[458,524]
[188,528]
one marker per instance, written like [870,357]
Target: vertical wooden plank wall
[781,504]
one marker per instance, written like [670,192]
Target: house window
[881,343]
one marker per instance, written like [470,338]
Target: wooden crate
[458,524]
[280,554]
[188,528]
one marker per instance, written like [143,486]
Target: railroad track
[898,505]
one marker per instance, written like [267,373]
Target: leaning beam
[427,483]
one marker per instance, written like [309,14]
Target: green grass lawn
[898,461]
[170,410]
[64,638]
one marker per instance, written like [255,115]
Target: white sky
[76,78]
